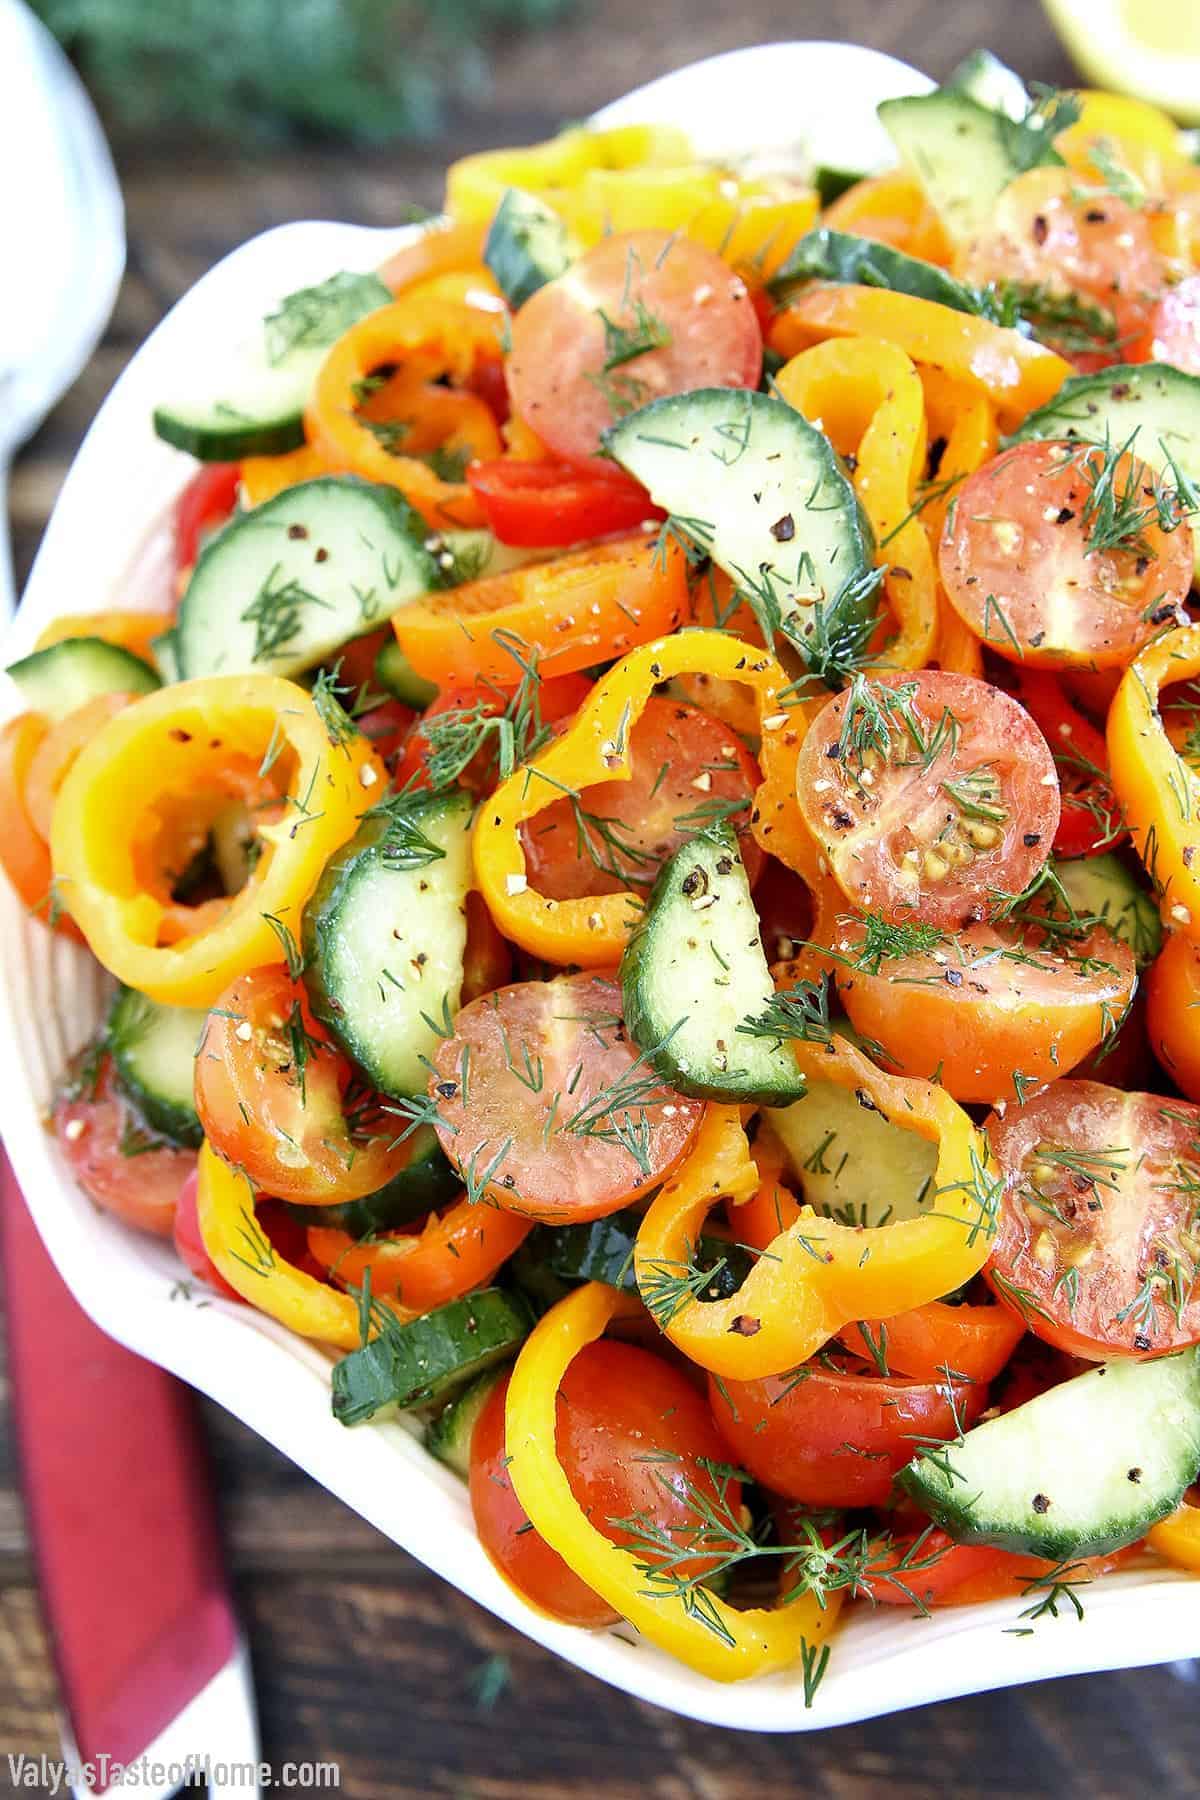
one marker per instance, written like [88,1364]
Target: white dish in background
[108,545]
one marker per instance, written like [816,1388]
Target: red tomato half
[928,793]
[1090,820]
[834,1437]
[544,504]
[1016,562]
[684,764]
[123,1167]
[643,315]
[205,503]
[634,1437]
[544,1103]
[1173,335]
[1097,1248]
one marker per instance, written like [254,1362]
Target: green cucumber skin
[426,1183]
[1102,885]
[526,246]
[602,1250]
[448,1437]
[832,183]
[66,675]
[395,673]
[757,1072]
[132,1020]
[824,255]
[325,936]
[1120,1419]
[416,1363]
[233,444]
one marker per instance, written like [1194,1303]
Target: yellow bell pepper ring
[817,1276]
[1178,1538]
[1155,785]
[166,750]
[593,932]
[730,1645]
[253,1267]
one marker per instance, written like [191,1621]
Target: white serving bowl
[108,545]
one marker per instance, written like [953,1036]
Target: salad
[649,862]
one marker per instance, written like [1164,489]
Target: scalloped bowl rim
[108,544]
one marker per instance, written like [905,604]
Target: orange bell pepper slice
[868,399]
[118,799]
[457,1250]
[24,852]
[592,932]
[444,246]
[1178,1538]
[134,631]
[717,1640]
[964,419]
[265,476]
[1158,789]
[425,336]
[816,1276]
[577,610]
[55,755]
[892,209]
[1015,372]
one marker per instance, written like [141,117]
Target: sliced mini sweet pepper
[592,932]
[116,808]
[722,1643]
[457,1250]
[1158,790]
[24,853]
[1017,373]
[892,209]
[817,1275]
[135,631]
[253,1266]
[553,170]
[1178,1538]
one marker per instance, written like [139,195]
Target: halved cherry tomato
[1173,334]
[989,1011]
[269,1089]
[189,1245]
[388,728]
[556,503]
[487,957]
[1050,229]
[836,1437]
[1173,1012]
[686,767]
[644,314]
[1090,820]
[1017,562]
[125,1169]
[555,699]
[1097,1246]
[927,792]
[205,503]
[544,1104]
[944,1573]
[24,852]
[634,1437]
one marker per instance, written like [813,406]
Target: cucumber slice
[1159,403]
[252,403]
[396,675]
[832,183]
[384,936]
[426,1182]
[840,256]
[1084,1468]
[526,246]
[280,588]
[68,674]
[602,1250]
[852,1163]
[762,492]
[1102,886]
[153,1049]
[448,1437]
[695,973]
[417,1362]
[957,151]
[983,77]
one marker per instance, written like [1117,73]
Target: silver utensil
[62,225]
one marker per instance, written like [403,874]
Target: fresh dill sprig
[277,613]
[1029,142]
[623,343]
[403,845]
[293,956]
[1073,325]
[315,316]
[798,1014]
[513,722]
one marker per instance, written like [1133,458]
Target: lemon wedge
[1150,48]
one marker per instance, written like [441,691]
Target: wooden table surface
[360,1655]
